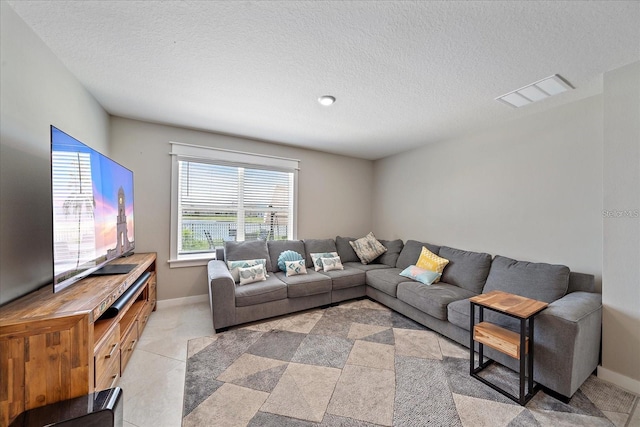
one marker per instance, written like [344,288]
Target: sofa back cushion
[251,249]
[345,251]
[466,269]
[581,282]
[390,257]
[313,246]
[276,247]
[411,252]
[544,282]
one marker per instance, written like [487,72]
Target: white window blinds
[220,200]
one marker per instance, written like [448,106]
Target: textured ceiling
[404,74]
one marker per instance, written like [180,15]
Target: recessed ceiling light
[541,89]
[326,100]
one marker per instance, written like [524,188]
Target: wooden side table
[517,345]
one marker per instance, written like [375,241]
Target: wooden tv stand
[54,347]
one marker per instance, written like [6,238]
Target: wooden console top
[91,295]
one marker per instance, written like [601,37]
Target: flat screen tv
[92,199]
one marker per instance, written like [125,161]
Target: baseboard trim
[174,302]
[620,380]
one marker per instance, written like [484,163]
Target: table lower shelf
[499,338]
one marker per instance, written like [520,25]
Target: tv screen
[92,198]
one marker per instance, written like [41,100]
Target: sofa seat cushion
[458,314]
[544,282]
[364,267]
[348,278]
[411,252]
[465,269]
[303,285]
[431,299]
[268,290]
[385,280]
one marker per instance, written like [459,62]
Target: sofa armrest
[567,341]
[575,306]
[222,294]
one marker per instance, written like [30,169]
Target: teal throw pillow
[288,256]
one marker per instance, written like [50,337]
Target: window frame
[203,154]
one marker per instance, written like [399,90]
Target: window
[220,195]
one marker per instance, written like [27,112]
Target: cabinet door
[110,377]
[43,361]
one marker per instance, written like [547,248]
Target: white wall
[334,194]
[529,189]
[36,92]
[621,263]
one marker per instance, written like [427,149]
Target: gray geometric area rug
[360,364]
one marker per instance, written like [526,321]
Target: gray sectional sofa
[567,333]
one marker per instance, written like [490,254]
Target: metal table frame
[526,355]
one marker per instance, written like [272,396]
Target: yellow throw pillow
[430,261]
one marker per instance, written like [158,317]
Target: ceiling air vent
[533,92]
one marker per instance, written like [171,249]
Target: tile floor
[153,382]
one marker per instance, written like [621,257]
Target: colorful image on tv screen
[92,207]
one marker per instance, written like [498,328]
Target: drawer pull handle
[113,349]
[115,380]
[133,344]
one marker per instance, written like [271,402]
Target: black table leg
[523,358]
[472,315]
[530,359]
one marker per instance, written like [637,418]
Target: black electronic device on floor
[100,409]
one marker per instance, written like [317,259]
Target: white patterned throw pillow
[368,248]
[234,266]
[294,268]
[251,274]
[317,258]
[334,263]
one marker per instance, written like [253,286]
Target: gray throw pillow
[368,248]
